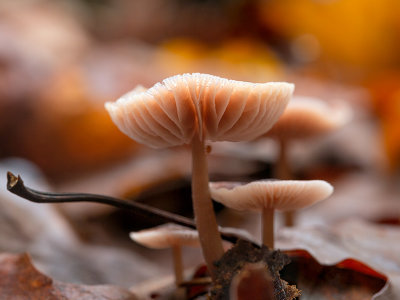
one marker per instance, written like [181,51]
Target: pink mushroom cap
[169,113]
[165,236]
[274,194]
[307,117]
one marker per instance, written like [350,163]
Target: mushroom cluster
[193,109]
[196,108]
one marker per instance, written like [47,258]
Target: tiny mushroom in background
[193,109]
[305,118]
[267,195]
[169,236]
[253,282]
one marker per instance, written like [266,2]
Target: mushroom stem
[283,172]
[206,223]
[289,218]
[267,220]
[178,265]
[282,169]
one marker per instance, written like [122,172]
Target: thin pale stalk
[178,265]
[283,172]
[267,231]
[206,223]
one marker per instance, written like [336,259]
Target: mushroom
[267,195]
[253,282]
[169,236]
[304,118]
[194,108]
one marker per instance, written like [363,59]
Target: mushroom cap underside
[165,236]
[170,113]
[275,194]
[307,117]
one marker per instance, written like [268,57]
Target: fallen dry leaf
[20,280]
[375,245]
[348,279]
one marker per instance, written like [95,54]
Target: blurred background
[61,60]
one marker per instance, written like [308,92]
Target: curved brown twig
[16,186]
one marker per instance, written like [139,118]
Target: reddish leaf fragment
[20,280]
[348,279]
[201,289]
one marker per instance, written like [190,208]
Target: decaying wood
[243,253]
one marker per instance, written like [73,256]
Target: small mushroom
[169,236]
[194,108]
[304,118]
[267,195]
[252,282]
[307,117]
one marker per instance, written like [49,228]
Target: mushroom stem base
[267,220]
